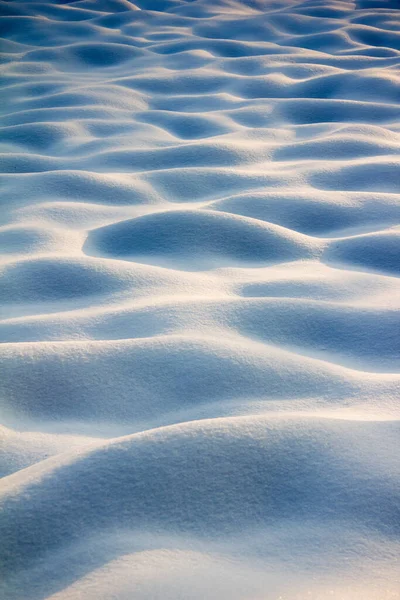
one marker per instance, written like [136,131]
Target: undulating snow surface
[200,289]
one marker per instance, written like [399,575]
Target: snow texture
[200,326]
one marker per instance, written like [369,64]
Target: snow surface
[200,300]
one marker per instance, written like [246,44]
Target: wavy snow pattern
[200,287]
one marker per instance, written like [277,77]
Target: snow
[200,257]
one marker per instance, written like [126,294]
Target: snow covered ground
[200,291]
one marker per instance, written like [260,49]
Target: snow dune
[200,260]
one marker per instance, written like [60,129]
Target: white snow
[200,261]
